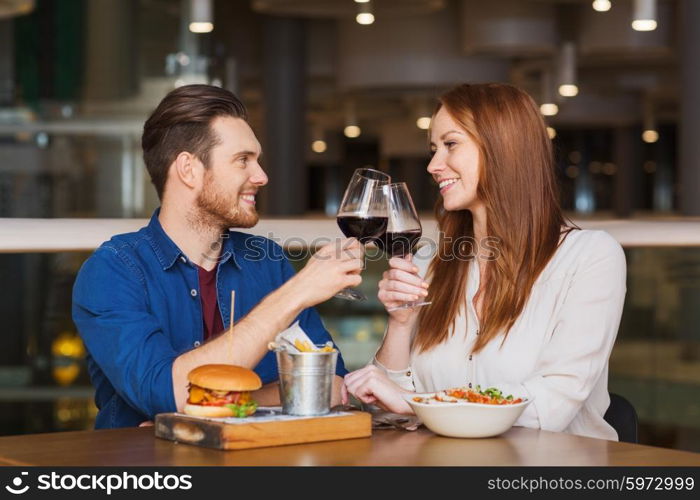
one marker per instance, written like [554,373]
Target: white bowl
[464,419]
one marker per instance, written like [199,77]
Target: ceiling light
[601,5]
[609,168]
[352,129]
[567,70]
[644,25]
[568,90]
[548,106]
[201,27]
[551,132]
[201,19]
[650,136]
[423,122]
[319,146]
[318,142]
[420,108]
[549,109]
[572,171]
[365,18]
[364,13]
[644,15]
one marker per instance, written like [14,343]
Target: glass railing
[655,364]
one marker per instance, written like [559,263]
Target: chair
[622,416]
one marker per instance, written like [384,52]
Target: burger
[221,391]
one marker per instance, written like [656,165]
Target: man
[151,305]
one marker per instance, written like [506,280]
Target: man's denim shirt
[136,304]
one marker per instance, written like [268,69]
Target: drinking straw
[233,301]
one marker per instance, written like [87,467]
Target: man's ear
[188,169]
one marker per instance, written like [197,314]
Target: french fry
[301,342]
[303,346]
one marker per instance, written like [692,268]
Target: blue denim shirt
[137,307]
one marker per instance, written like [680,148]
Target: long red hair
[518,186]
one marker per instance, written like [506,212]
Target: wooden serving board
[268,429]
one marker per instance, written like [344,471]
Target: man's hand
[268,395]
[333,267]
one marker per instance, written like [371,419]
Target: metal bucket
[306,381]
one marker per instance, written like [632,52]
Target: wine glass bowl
[362,213]
[365,229]
[403,229]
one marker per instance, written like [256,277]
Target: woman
[520,300]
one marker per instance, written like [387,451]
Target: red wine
[364,229]
[401,243]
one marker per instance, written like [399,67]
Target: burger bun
[225,378]
[207,411]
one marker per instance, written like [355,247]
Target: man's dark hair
[181,122]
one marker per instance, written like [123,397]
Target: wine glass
[362,213]
[403,229]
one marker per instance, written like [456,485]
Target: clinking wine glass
[403,229]
[362,213]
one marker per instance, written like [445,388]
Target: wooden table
[519,446]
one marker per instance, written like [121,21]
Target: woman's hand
[401,284]
[371,386]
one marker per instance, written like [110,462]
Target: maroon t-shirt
[213,325]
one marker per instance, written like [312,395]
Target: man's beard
[222,210]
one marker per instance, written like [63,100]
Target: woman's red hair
[518,186]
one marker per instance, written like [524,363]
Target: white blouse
[558,349]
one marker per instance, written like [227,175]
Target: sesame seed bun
[225,378]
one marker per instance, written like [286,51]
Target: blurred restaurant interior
[334,85]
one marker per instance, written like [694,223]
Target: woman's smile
[446,184]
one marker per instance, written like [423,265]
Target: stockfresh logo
[100,483]
[17,487]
